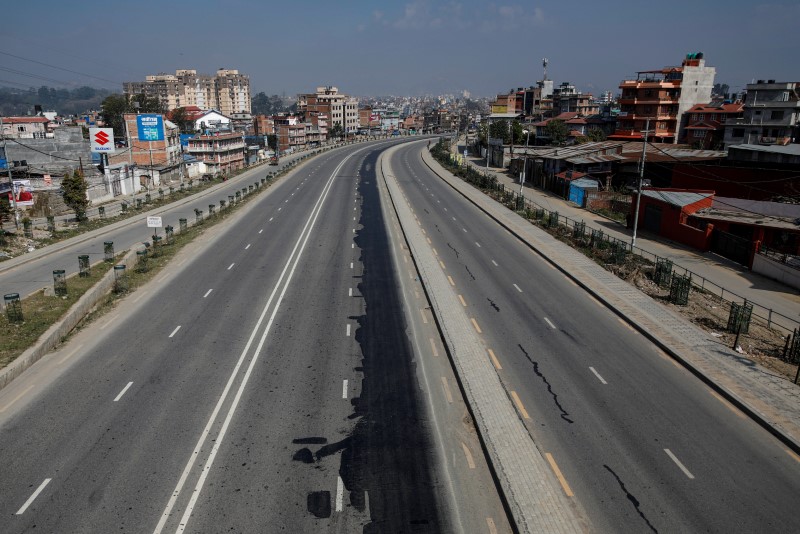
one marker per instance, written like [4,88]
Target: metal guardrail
[770,317]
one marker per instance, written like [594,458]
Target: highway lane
[289,443]
[642,444]
[37,273]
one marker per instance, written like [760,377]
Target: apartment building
[663,96]
[220,153]
[227,91]
[340,109]
[567,99]
[771,115]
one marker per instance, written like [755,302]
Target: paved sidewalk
[770,400]
[734,278]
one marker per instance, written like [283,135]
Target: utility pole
[10,178]
[645,133]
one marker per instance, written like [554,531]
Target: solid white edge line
[301,244]
[600,378]
[344,388]
[33,497]
[550,323]
[679,464]
[175,331]
[121,393]
[339,493]
[208,293]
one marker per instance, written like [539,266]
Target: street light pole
[639,186]
[488,125]
[525,164]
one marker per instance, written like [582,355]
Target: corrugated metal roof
[586,183]
[676,198]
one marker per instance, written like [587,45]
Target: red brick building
[705,127]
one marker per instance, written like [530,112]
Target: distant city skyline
[413,48]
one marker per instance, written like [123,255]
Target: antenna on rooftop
[544,64]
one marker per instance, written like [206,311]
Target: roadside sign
[102,139]
[465,153]
[154,222]
[150,127]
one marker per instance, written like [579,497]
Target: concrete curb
[526,482]
[648,328]
[57,247]
[65,325]
[78,311]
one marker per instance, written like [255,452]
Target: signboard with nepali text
[150,127]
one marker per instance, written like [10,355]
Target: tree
[596,134]
[180,117]
[516,130]
[499,130]
[5,211]
[74,191]
[336,131]
[557,131]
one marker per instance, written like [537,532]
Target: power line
[23,73]
[61,68]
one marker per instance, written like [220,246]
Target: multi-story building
[227,91]
[705,127]
[567,99]
[771,115]
[25,127]
[663,96]
[161,154]
[220,153]
[341,110]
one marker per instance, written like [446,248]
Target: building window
[701,117]
[738,132]
[776,115]
[757,112]
[699,133]
[784,96]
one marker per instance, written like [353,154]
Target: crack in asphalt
[631,498]
[469,272]
[453,249]
[564,413]
[492,304]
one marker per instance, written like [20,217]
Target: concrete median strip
[769,400]
[534,496]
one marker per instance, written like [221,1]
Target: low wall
[56,333]
[776,270]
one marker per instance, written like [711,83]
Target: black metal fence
[546,218]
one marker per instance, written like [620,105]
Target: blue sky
[401,47]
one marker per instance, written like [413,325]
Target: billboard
[150,127]
[102,139]
[23,194]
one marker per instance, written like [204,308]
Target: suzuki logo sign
[102,139]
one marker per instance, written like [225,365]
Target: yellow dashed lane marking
[495,361]
[523,412]
[559,476]
[475,324]
[462,301]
